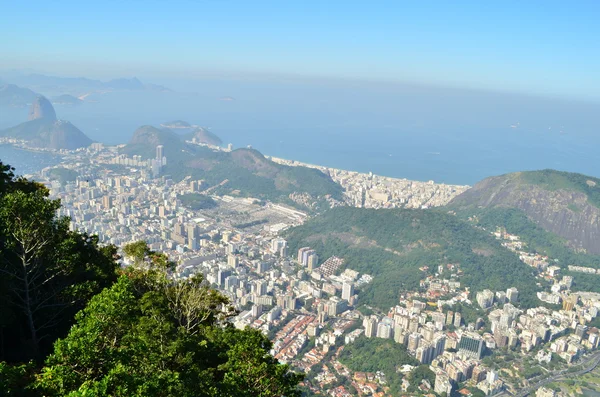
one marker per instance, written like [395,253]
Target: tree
[48,272]
[132,340]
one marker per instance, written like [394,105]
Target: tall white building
[347,291]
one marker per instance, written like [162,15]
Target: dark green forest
[538,240]
[376,354]
[73,323]
[393,244]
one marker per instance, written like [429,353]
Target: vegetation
[244,171]
[559,180]
[392,245]
[63,175]
[376,354]
[73,324]
[538,240]
[196,201]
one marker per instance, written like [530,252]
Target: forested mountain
[243,171]
[392,245]
[565,204]
[72,323]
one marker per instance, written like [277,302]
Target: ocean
[25,161]
[420,133]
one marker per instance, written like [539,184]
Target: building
[312,261]
[442,384]
[370,324]
[414,340]
[485,298]
[512,294]
[384,330]
[471,345]
[347,291]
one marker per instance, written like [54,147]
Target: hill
[564,204]
[12,95]
[392,245]
[202,135]
[175,124]
[244,172]
[66,99]
[43,130]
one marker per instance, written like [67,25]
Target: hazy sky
[538,47]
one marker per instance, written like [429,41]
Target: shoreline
[22,145]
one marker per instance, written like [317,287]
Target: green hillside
[393,244]
[244,172]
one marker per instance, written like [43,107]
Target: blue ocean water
[445,135]
[26,161]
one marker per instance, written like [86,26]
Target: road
[589,363]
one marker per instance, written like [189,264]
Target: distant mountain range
[244,172]
[44,130]
[23,89]
[15,96]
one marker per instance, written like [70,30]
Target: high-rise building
[471,344]
[485,298]
[384,330]
[312,261]
[160,152]
[414,340]
[221,276]
[107,202]
[301,252]
[512,294]
[457,319]
[257,310]
[347,291]
[370,324]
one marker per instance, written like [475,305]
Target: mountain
[125,84]
[45,131]
[243,172]
[176,124]
[562,203]
[400,247]
[202,135]
[41,108]
[80,85]
[12,95]
[66,99]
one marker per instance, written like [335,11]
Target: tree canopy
[73,323]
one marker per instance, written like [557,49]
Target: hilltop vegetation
[195,201]
[376,354]
[244,172]
[73,323]
[565,204]
[536,239]
[393,244]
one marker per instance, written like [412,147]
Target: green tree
[134,339]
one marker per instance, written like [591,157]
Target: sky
[535,47]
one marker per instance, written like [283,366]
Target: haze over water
[415,132]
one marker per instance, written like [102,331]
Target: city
[308,306]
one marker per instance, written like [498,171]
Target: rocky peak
[41,108]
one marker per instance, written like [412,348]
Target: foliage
[135,339]
[422,372]
[196,201]
[376,354]
[63,175]
[245,171]
[48,272]
[393,244]
[560,180]
[538,240]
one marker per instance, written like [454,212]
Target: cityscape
[310,306]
